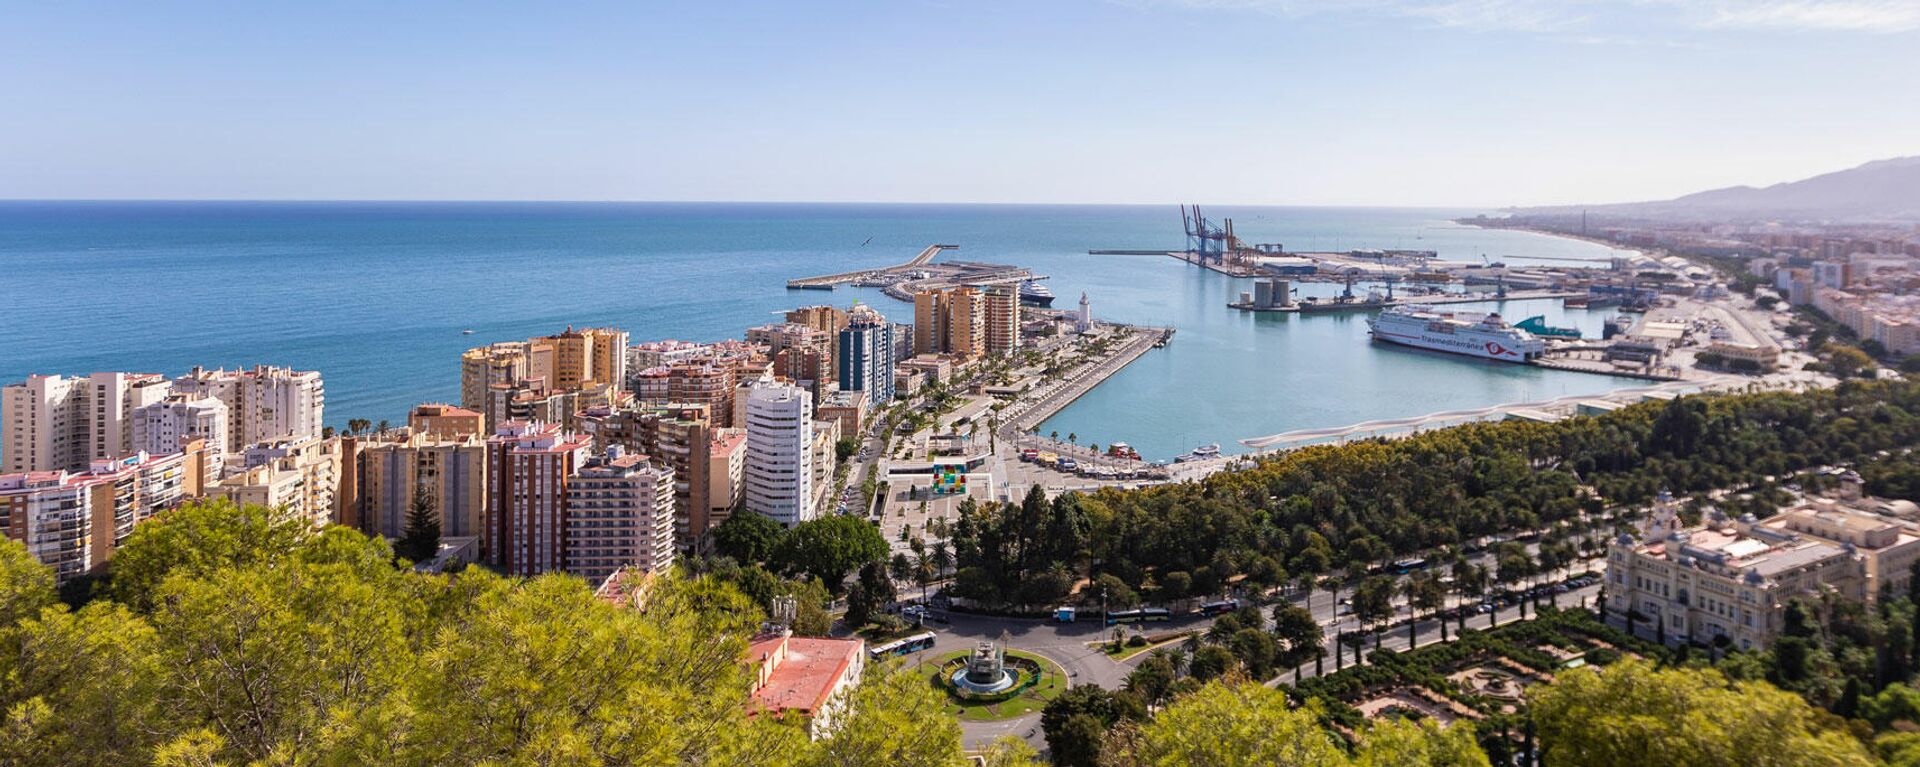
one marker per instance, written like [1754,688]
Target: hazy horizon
[1315,103]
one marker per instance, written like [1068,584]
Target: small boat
[467,332]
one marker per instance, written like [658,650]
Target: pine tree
[422,537]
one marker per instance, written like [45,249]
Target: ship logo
[1495,349]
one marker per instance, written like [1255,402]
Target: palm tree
[1424,594]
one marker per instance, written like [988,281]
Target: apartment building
[528,468]
[866,356]
[726,474]
[301,474]
[264,404]
[619,515]
[1000,309]
[55,423]
[451,469]
[678,436]
[72,521]
[779,464]
[447,421]
[167,426]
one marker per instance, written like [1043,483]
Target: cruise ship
[1469,333]
[1035,294]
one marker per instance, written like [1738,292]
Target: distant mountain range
[1881,190]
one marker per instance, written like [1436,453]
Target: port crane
[1208,241]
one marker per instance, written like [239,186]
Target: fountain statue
[986,670]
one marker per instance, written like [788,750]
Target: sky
[1286,102]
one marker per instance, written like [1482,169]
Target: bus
[1047,459]
[903,646]
[1405,566]
[1029,454]
[1136,616]
[1221,607]
[1068,464]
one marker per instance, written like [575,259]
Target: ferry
[1486,336]
[1035,294]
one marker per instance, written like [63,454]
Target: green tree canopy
[1631,715]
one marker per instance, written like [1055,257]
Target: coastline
[1588,239]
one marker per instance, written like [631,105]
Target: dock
[1434,299]
[830,281]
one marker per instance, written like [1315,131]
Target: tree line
[1349,508]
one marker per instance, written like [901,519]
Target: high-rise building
[53,423]
[826,319]
[952,322]
[866,356]
[264,404]
[779,470]
[165,427]
[528,466]
[1001,308]
[589,359]
[72,521]
[581,358]
[619,514]
[726,473]
[678,436]
[694,383]
[485,367]
[299,473]
[451,469]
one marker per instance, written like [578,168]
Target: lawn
[1053,681]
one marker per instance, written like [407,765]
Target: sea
[378,296]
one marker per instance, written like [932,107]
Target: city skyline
[1286,102]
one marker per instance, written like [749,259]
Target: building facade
[55,423]
[451,470]
[779,460]
[264,404]
[866,356]
[528,469]
[72,521]
[619,515]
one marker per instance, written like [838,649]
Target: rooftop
[800,673]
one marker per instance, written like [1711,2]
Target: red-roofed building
[807,677]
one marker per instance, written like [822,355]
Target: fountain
[985,672]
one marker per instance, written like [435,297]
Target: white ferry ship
[1469,333]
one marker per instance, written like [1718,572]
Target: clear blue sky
[1385,102]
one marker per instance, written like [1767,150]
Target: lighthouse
[1083,321]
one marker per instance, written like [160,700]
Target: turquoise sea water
[375,296]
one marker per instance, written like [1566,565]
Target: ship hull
[1485,350]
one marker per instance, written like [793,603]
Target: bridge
[828,281]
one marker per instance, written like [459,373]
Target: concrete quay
[828,281]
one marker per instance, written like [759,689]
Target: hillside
[1880,190]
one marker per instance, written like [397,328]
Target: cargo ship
[1473,334]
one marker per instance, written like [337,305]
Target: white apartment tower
[164,427]
[779,481]
[264,404]
[53,423]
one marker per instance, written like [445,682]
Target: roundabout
[991,683]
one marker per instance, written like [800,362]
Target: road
[1066,643]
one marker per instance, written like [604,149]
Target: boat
[1035,294]
[1200,453]
[467,332]
[1576,302]
[1472,334]
[1538,326]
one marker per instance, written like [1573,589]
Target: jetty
[829,281]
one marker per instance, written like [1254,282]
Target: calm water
[375,295]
